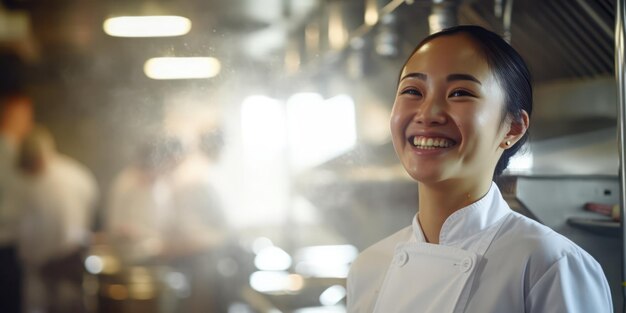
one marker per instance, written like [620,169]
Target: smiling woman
[461,111]
[441,97]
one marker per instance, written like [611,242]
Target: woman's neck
[438,201]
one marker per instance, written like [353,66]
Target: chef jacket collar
[469,220]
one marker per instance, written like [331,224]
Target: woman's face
[446,119]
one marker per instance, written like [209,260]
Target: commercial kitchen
[239,155]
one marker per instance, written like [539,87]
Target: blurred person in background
[57,201]
[197,230]
[139,202]
[16,118]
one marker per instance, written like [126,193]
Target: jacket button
[402,258]
[466,264]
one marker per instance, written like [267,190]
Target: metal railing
[621,119]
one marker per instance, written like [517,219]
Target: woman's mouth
[422,142]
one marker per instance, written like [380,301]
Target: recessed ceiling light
[181,68]
[147,26]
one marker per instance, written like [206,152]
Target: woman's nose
[430,112]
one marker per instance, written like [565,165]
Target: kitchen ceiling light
[147,26]
[181,68]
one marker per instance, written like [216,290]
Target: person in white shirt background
[139,203]
[57,199]
[16,119]
[197,230]
[462,109]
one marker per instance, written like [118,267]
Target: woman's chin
[425,175]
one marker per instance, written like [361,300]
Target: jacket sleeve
[573,284]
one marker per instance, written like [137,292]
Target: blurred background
[234,156]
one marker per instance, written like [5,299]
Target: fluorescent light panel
[147,26]
[181,68]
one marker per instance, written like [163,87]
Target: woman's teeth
[431,143]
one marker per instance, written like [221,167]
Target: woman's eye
[461,93]
[413,92]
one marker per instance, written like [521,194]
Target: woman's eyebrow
[453,77]
[420,76]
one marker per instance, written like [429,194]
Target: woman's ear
[517,129]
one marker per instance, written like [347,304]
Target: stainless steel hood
[560,39]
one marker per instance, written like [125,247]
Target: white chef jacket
[57,208]
[197,215]
[57,211]
[138,208]
[489,259]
